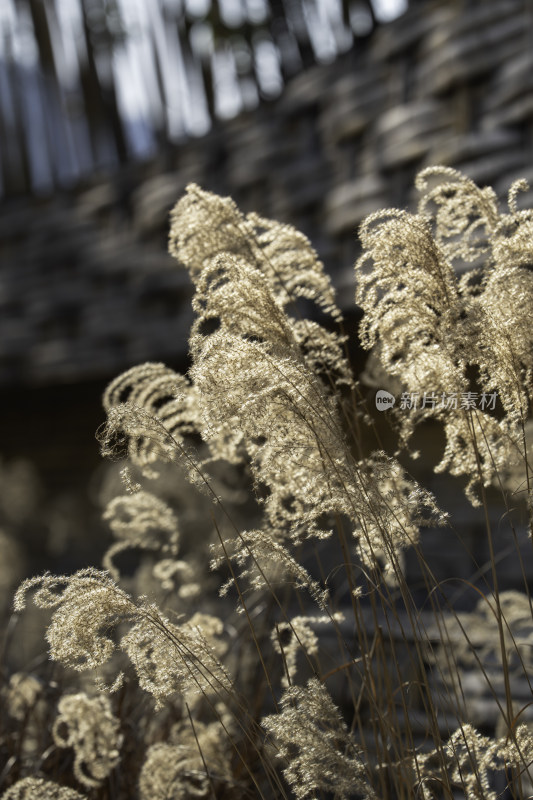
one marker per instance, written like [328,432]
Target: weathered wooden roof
[86,286]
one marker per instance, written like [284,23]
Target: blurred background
[312,112]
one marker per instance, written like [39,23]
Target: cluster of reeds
[255,631]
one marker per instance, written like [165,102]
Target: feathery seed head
[88,725]
[33,788]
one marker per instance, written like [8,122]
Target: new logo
[384,400]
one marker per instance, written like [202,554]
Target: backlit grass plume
[141,520]
[88,725]
[314,741]
[282,254]
[30,788]
[450,337]
[167,657]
